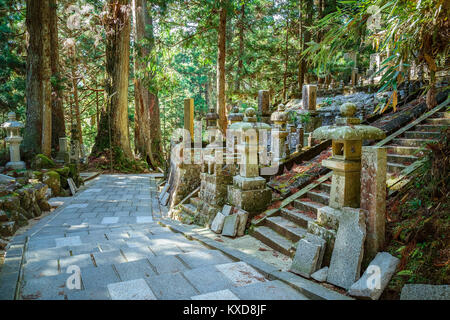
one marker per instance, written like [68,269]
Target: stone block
[320,242]
[222,295]
[328,217]
[243,218]
[269,290]
[167,264]
[306,258]
[376,277]
[202,258]
[345,265]
[329,235]
[320,275]
[227,210]
[131,290]
[240,273]
[264,103]
[207,279]
[218,222]
[230,225]
[252,183]
[425,292]
[171,286]
[252,201]
[373,197]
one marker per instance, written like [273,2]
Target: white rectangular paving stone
[68,241]
[144,219]
[240,273]
[110,220]
[77,205]
[131,290]
[217,295]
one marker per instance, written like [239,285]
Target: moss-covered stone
[52,179]
[65,171]
[41,161]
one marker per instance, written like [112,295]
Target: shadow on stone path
[105,243]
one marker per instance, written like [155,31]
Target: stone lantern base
[16,165]
[62,157]
[249,194]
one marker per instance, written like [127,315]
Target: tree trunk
[76,103]
[38,128]
[301,74]
[58,122]
[221,108]
[114,121]
[237,86]
[148,142]
[286,62]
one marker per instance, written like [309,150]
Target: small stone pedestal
[249,191]
[14,139]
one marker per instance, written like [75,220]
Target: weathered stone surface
[376,277]
[243,217]
[320,275]
[227,210]
[264,102]
[252,201]
[328,217]
[51,178]
[230,225]
[345,265]
[425,292]
[306,258]
[329,235]
[309,95]
[131,290]
[373,197]
[320,242]
[6,179]
[218,222]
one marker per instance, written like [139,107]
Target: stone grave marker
[218,222]
[306,258]
[230,225]
[345,265]
[72,186]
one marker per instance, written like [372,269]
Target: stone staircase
[283,229]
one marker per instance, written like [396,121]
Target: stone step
[428,127]
[411,142]
[297,217]
[325,187]
[320,197]
[402,159]
[421,135]
[307,206]
[412,151]
[189,209]
[196,201]
[438,121]
[395,167]
[273,240]
[286,228]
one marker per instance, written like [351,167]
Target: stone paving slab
[270,290]
[114,237]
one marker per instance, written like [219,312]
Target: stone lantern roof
[250,122]
[280,115]
[348,127]
[211,115]
[235,115]
[12,123]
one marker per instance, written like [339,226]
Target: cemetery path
[105,243]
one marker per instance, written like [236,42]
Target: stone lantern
[347,136]
[14,139]
[279,133]
[235,116]
[249,191]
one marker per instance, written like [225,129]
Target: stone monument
[264,105]
[279,134]
[249,191]
[14,139]
[63,154]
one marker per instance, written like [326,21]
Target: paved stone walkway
[109,232]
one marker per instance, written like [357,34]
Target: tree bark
[221,107]
[286,61]
[114,120]
[38,129]
[237,86]
[148,126]
[76,103]
[58,122]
